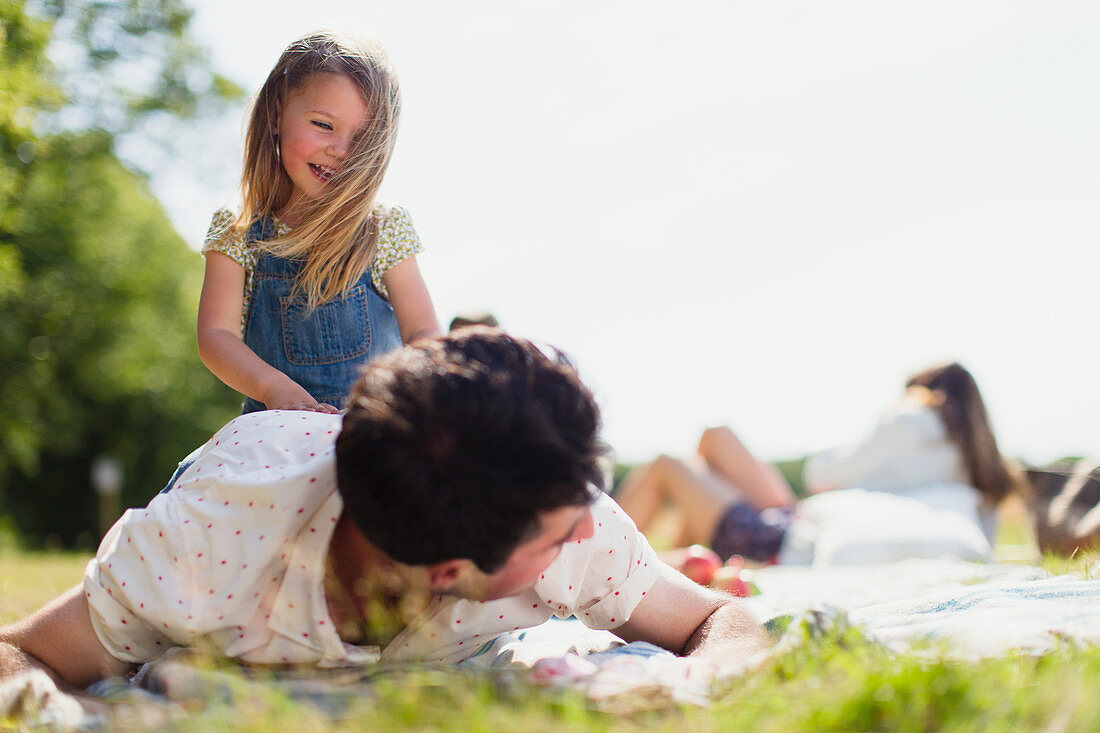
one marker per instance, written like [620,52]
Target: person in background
[934,446]
[473,318]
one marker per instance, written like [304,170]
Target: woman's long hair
[960,407]
[339,231]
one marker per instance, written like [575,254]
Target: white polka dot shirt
[233,558]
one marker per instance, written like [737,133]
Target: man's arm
[686,618]
[59,639]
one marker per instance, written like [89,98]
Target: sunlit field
[28,580]
[839,682]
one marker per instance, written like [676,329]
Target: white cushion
[855,526]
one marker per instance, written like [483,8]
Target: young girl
[313,277]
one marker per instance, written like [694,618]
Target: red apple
[735,561]
[699,563]
[728,578]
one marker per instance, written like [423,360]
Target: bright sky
[765,214]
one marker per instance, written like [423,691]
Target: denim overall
[323,350]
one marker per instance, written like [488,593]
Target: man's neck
[368,597]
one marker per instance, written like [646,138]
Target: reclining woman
[934,447]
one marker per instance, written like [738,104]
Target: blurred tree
[24,88]
[124,64]
[97,301]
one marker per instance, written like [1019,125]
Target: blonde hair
[338,235]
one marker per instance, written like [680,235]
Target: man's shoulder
[615,551]
[606,508]
[280,426]
[269,445]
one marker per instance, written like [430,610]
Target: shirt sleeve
[397,241]
[898,432]
[132,587]
[602,579]
[220,237]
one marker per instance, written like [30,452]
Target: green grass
[839,682]
[29,579]
[836,683]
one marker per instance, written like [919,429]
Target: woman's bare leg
[640,496]
[699,497]
[760,484]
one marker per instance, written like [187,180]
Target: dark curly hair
[451,448]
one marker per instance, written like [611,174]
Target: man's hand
[688,619]
[33,699]
[729,640]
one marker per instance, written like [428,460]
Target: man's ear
[444,577]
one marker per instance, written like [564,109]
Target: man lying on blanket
[463,474]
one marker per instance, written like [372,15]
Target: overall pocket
[334,332]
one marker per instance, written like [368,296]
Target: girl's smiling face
[316,124]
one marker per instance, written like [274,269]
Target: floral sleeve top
[397,241]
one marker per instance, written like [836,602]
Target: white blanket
[924,606]
[969,610]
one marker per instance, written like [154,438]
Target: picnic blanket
[927,606]
[941,606]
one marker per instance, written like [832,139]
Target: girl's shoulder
[222,231]
[397,237]
[227,237]
[392,216]
[397,241]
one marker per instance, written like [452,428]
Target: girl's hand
[221,348]
[292,396]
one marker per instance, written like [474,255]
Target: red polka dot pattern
[252,541]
